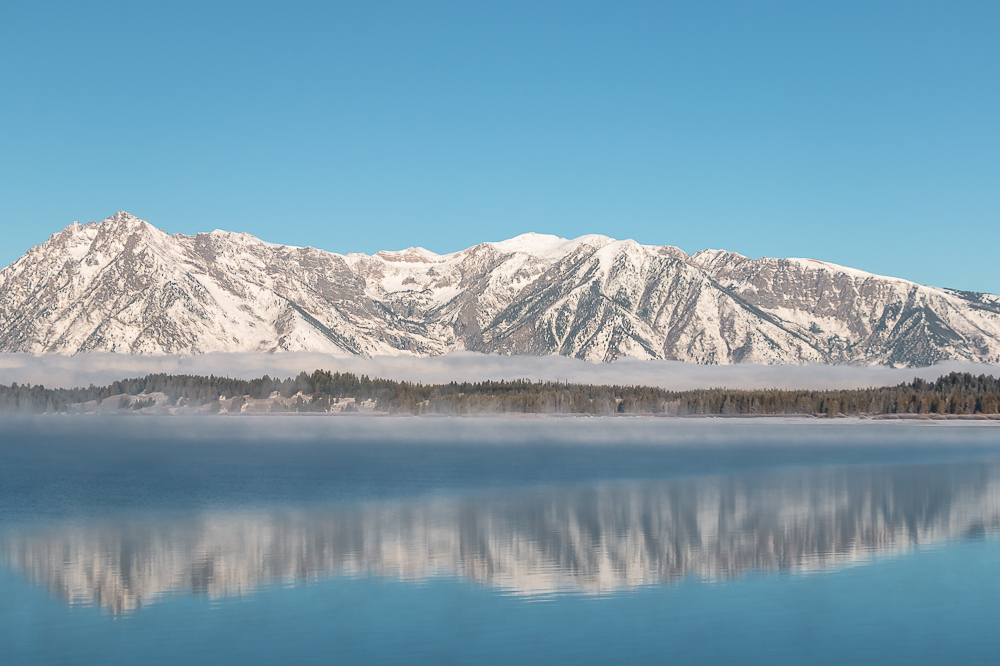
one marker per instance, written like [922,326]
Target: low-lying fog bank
[778,430]
[56,371]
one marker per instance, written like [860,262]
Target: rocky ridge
[121,285]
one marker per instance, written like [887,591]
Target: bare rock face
[122,285]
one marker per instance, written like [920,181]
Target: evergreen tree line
[955,393]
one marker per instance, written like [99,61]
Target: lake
[489,540]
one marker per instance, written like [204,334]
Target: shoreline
[983,419]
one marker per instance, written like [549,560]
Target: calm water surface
[339,540]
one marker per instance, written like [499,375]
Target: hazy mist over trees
[323,391]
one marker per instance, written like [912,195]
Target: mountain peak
[122,222]
[123,219]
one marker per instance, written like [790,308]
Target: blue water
[490,541]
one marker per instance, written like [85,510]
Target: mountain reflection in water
[593,540]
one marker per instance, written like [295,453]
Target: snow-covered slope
[122,285]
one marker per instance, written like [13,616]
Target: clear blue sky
[864,133]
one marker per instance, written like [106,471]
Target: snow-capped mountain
[122,285]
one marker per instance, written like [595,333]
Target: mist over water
[80,466]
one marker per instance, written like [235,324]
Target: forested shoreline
[323,391]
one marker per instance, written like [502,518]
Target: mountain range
[122,285]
